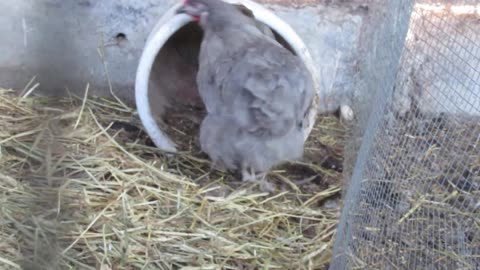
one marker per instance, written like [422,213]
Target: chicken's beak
[189,10]
[181,10]
[186,9]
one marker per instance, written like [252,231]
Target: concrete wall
[59,42]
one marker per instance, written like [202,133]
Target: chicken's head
[197,9]
[215,14]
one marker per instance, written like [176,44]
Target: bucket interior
[173,95]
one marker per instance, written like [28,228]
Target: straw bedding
[82,187]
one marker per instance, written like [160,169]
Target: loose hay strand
[82,107]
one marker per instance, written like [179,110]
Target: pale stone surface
[58,41]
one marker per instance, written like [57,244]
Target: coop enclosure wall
[413,200]
[67,44]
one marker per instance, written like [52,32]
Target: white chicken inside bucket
[166,92]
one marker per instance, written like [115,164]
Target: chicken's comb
[185,2]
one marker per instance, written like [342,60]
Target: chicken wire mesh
[413,201]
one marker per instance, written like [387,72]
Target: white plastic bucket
[168,25]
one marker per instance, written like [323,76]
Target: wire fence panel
[413,201]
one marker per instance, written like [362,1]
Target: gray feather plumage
[256,93]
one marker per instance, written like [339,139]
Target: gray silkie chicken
[256,93]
